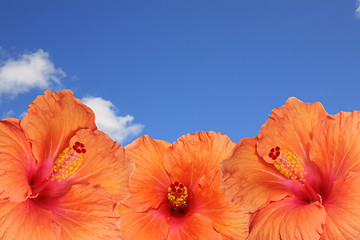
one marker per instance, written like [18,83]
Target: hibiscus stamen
[177,194]
[68,162]
[288,164]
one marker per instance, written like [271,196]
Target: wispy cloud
[29,71]
[12,114]
[357,11]
[21,115]
[120,128]
[8,114]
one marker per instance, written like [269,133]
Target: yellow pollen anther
[67,163]
[290,166]
[177,194]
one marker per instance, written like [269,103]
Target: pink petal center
[48,178]
[302,183]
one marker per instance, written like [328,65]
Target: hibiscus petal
[149,182]
[335,145]
[343,209]
[195,227]
[289,128]
[149,225]
[16,162]
[26,220]
[86,212]
[248,180]
[104,163]
[230,220]
[287,219]
[52,119]
[194,155]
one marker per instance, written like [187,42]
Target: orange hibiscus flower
[175,191]
[60,178]
[301,176]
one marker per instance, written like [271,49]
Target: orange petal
[195,227]
[104,163]
[230,220]
[248,180]
[16,162]
[194,155]
[287,219]
[149,182]
[289,128]
[335,144]
[26,220]
[343,209]
[87,212]
[149,225]
[52,119]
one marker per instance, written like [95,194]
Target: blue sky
[167,68]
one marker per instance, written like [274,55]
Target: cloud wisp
[12,114]
[30,71]
[119,128]
[8,114]
[357,11]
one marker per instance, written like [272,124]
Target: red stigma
[274,153]
[79,147]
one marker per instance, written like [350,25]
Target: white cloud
[13,114]
[357,11]
[29,71]
[118,128]
[21,115]
[8,114]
